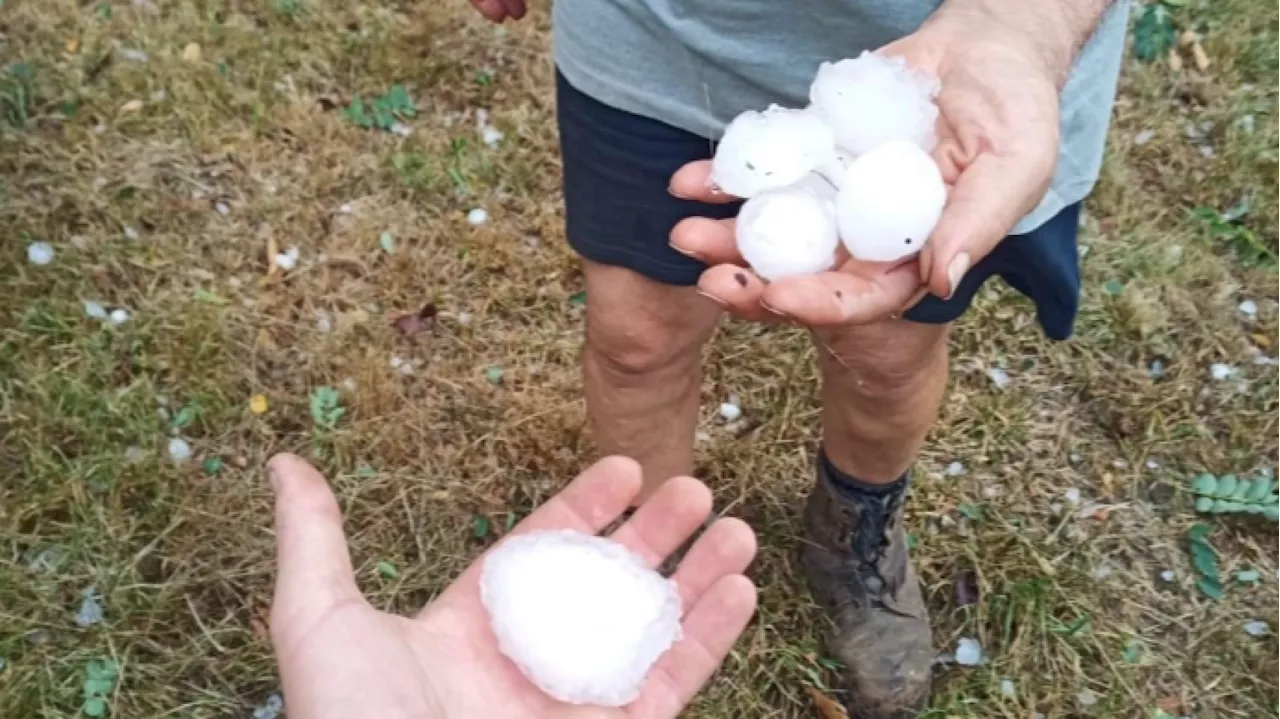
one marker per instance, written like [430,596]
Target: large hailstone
[581,616]
[789,231]
[771,149]
[872,100]
[889,202]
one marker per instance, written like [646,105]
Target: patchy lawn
[168,153]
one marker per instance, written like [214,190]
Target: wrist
[1048,32]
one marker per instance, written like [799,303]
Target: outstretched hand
[997,146]
[340,657]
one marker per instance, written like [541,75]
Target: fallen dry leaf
[1188,37]
[131,106]
[258,404]
[828,708]
[191,53]
[1200,56]
[414,323]
[1261,340]
[73,45]
[966,588]
[1175,60]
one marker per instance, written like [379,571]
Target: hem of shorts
[639,263]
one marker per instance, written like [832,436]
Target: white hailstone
[789,231]
[581,616]
[478,216]
[769,150]
[118,316]
[1221,372]
[95,310]
[179,450]
[730,411]
[1249,309]
[889,202]
[998,377]
[1256,628]
[289,259]
[399,129]
[1072,495]
[955,469]
[490,135]
[1086,698]
[90,612]
[968,652]
[1168,575]
[1007,689]
[873,100]
[464,318]
[40,253]
[130,233]
[222,208]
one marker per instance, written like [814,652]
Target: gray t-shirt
[695,64]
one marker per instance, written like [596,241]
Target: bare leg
[642,368]
[881,396]
[882,385]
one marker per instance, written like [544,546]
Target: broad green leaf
[1259,489]
[1204,504]
[1153,33]
[94,707]
[388,570]
[1198,532]
[480,527]
[1211,588]
[578,298]
[1243,488]
[1227,485]
[1204,559]
[1205,484]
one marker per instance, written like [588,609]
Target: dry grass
[183,559]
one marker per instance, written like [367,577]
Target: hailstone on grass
[770,150]
[889,202]
[872,100]
[581,616]
[789,231]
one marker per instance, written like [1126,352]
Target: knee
[886,367]
[640,349]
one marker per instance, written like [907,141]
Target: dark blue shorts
[618,212]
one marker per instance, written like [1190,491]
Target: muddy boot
[854,556]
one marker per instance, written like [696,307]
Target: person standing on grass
[1027,91]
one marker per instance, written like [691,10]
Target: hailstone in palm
[872,100]
[581,616]
[789,231]
[771,149]
[889,202]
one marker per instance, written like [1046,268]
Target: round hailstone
[789,231]
[889,202]
[581,616]
[873,100]
[771,149]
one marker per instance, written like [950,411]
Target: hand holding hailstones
[853,168]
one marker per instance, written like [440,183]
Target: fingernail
[774,310]
[955,271]
[713,298]
[672,191]
[683,251]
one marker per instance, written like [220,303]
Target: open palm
[997,144]
[340,657]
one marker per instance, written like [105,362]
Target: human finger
[313,565]
[707,240]
[843,297]
[693,182]
[710,630]
[727,547]
[515,9]
[737,290]
[660,525]
[493,10]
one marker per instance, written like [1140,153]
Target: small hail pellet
[889,202]
[791,230]
[770,150]
[872,100]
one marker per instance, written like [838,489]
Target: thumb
[989,198]
[313,569]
